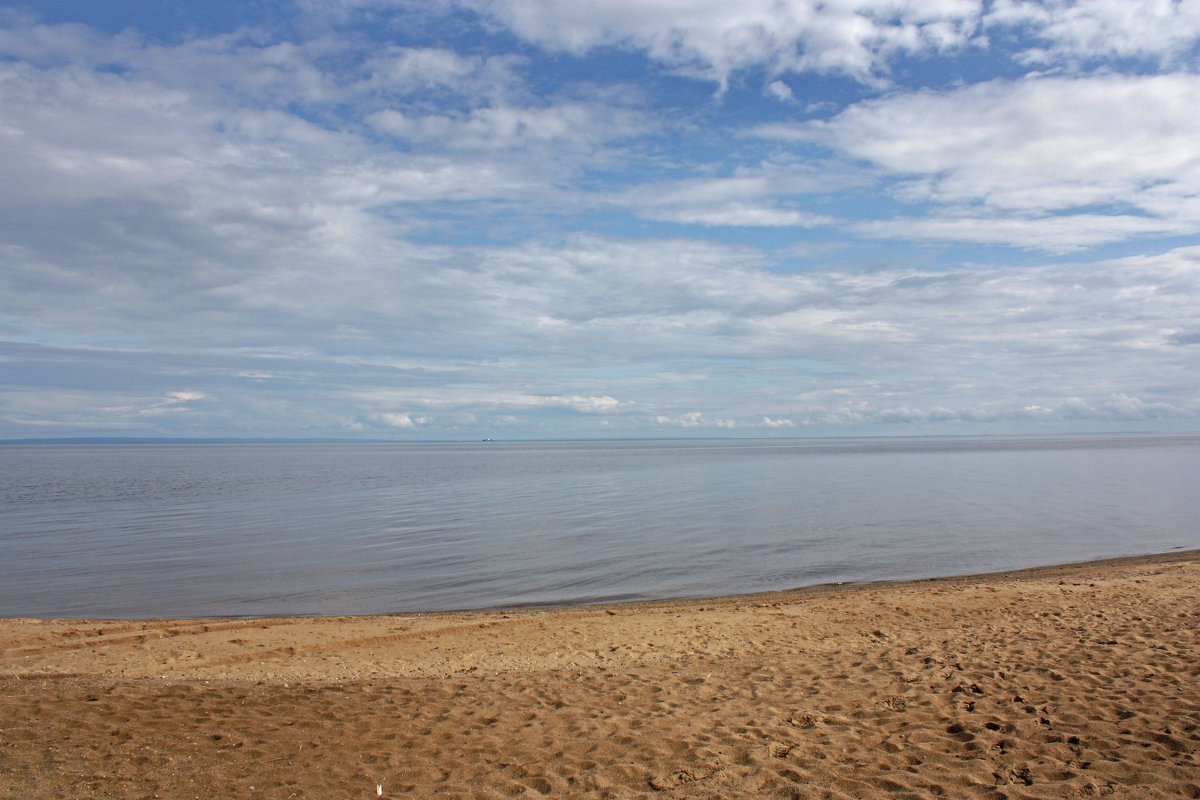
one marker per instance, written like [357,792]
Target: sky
[528,219]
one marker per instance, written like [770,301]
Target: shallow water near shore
[189,530]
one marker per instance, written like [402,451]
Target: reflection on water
[215,529]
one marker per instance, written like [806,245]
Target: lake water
[187,530]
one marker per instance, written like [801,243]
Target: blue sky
[631,218]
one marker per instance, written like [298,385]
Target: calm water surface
[186,530]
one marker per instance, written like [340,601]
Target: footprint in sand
[1017,774]
[679,777]
[780,749]
[806,719]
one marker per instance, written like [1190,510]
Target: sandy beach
[1073,681]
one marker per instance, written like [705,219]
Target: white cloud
[24,38]
[715,38]
[780,91]
[1060,233]
[746,201]
[401,421]
[577,125]
[183,397]
[98,408]
[1033,144]
[678,297]
[171,403]
[454,398]
[695,419]
[422,69]
[1119,406]
[590,405]
[1157,30]
[1045,159]
[740,215]
[131,187]
[1116,408]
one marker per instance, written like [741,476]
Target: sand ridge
[1074,681]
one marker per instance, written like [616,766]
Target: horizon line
[490,440]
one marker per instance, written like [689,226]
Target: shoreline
[1070,680]
[1022,573]
[650,603]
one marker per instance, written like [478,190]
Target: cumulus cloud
[585,404]
[1157,30]
[714,39]
[1043,159]
[695,419]
[401,421]
[780,91]
[858,38]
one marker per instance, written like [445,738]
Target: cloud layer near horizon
[544,219]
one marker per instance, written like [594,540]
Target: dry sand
[1073,681]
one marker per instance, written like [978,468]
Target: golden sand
[1074,681]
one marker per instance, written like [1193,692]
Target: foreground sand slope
[1067,682]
